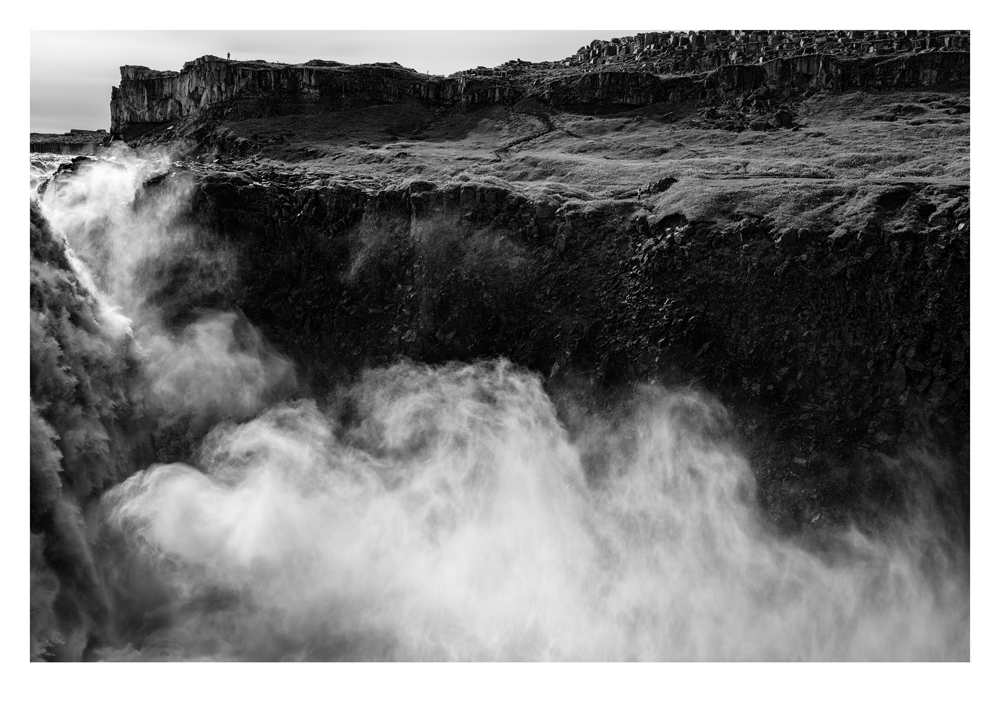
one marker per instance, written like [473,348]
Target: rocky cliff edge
[630,72]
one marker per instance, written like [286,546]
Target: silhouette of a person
[227,56]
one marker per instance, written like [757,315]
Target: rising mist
[434,513]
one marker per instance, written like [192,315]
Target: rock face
[73,142]
[814,72]
[338,273]
[688,52]
[149,99]
[147,96]
[260,88]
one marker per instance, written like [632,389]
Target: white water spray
[444,513]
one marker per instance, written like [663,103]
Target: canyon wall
[834,339]
[348,279]
[72,142]
[679,52]
[243,89]
[253,89]
[812,72]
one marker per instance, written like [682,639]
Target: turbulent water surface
[446,512]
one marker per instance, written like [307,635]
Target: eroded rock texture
[256,88]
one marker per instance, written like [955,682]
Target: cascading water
[445,513]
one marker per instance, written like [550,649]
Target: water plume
[444,513]
[431,513]
[123,217]
[217,367]
[98,387]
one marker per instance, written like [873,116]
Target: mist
[448,512]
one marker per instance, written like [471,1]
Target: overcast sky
[76,93]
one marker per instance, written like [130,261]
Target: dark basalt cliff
[258,88]
[827,343]
[72,142]
[148,99]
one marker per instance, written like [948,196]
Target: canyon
[778,219]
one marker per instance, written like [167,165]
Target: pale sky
[72,72]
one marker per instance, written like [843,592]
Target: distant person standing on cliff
[227,56]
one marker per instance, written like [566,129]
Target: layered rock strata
[72,142]
[258,88]
[148,99]
[678,52]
